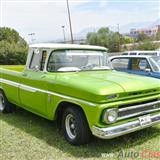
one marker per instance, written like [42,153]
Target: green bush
[147,45]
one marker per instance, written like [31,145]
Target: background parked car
[141,65]
[147,53]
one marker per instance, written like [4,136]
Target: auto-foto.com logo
[145,154]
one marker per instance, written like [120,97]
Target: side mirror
[36,68]
[148,70]
[143,65]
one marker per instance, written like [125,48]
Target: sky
[45,17]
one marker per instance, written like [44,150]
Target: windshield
[78,60]
[155,62]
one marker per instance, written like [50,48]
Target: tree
[9,35]
[13,48]
[106,38]
[157,36]
[127,40]
[92,38]
[115,42]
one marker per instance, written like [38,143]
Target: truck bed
[18,68]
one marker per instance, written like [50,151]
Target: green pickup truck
[75,85]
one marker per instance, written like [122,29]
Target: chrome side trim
[122,129]
[72,98]
[33,89]
[11,83]
[27,88]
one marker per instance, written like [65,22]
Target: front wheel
[75,126]
[5,106]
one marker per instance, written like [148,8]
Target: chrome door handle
[24,74]
[43,76]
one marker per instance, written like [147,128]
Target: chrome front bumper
[119,130]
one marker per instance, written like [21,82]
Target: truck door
[33,89]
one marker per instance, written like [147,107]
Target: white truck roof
[66,46]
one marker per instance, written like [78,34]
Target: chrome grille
[143,92]
[139,109]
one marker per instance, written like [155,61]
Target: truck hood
[97,85]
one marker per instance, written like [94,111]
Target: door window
[38,60]
[148,53]
[133,53]
[140,64]
[43,60]
[121,63]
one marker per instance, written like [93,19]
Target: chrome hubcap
[2,104]
[70,126]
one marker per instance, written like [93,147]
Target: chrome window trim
[148,60]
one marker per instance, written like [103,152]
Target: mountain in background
[157,22]
[123,29]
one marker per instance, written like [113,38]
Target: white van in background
[150,53]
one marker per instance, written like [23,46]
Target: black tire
[5,105]
[78,134]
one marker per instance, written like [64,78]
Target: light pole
[64,36]
[1,11]
[32,34]
[70,24]
[118,27]
[118,37]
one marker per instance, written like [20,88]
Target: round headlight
[111,115]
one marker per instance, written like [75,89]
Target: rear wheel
[5,106]
[75,126]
